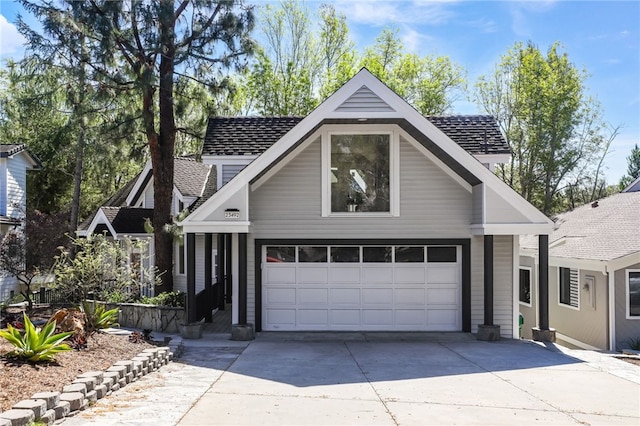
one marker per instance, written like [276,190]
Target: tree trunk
[79,169]
[162,150]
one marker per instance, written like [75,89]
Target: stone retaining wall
[163,319]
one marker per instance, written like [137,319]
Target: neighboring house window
[569,287]
[360,173]
[633,293]
[525,286]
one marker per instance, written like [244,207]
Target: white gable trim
[99,218]
[402,110]
[139,183]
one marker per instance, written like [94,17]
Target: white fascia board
[477,169]
[139,182]
[217,227]
[493,158]
[452,174]
[623,262]
[275,169]
[219,160]
[31,162]
[99,218]
[511,229]
[582,264]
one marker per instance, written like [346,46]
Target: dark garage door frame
[466,265]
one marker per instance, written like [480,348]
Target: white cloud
[11,41]
[382,13]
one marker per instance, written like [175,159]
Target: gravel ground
[19,380]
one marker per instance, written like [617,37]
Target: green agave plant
[97,317]
[35,344]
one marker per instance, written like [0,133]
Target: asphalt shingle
[605,230]
[478,134]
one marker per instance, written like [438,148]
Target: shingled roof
[602,231]
[190,176]
[127,220]
[9,149]
[478,134]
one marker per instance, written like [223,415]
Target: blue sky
[602,37]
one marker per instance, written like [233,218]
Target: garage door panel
[314,296]
[377,317]
[345,274]
[377,296]
[443,319]
[377,275]
[345,296]
[410,296]
[280,274]
[345,317]
[443,274]
[410,275]
[316,318]
[281,318]
[411,317]
[442,296]
[312,275]
[281,296]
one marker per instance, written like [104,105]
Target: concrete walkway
[376,378]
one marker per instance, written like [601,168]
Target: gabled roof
[364,100]
[604,230]
[120,220]
[633,186]
[477,134]
[9,150]
[190,176]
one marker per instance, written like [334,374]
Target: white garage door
[416,288]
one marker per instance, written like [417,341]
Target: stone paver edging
[47,407]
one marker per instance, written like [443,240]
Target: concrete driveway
[386,379]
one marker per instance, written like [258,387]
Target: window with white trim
[525,286]
[360,173]
[633,293]
[569,287]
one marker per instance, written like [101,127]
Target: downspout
[612,310]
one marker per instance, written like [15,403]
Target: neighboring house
[594,274]
[15,161]
[125,213]
[363,215]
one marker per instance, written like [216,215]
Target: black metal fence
[49,296]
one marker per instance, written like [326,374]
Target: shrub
[174,299]
[35,345]
[634,343]
[97,317]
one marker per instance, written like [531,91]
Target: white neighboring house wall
[13,204]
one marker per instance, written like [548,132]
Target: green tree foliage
[283,79]
[431,83]
[633,168]
[142,47]
[102,267]
[554,129]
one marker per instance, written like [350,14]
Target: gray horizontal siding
[364,100]
[432,204]
[502,283]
